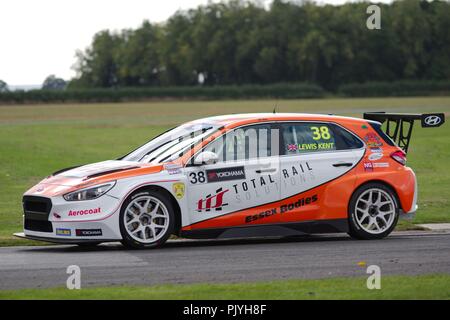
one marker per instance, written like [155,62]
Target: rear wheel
[146,220]
[373,212]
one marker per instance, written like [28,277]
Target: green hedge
[286,91]
[281,90]
[397,88]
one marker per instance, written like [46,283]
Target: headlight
[89,193]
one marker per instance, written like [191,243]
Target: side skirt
[283,230]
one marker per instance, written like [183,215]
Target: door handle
[342,164]
[259,171]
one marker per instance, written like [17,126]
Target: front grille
[37,225]
[37,204]
[36,211]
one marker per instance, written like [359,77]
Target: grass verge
[392,287]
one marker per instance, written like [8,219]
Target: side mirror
[206,157]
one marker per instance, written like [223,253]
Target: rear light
[400,157]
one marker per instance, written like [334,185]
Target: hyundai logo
[432,120]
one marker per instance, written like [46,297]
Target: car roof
[232,119]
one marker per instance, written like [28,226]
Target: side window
[346,140]
[304,137]
[244,143]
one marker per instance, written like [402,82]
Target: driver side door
[231,191]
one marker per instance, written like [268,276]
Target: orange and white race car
[238,176]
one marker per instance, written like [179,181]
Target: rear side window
[378,128]
[317,137]
[346,140]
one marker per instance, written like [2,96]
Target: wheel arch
[382,182]
[174,202]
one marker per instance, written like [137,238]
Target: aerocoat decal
[84,212]
[225,174]
[212,201]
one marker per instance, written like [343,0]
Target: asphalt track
[225,261]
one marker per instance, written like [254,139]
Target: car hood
[71,179]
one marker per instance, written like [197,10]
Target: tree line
[242,42]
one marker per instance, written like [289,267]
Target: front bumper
[56,220]
[22,235]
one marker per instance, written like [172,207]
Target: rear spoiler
[399,125]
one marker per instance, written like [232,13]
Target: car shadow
[187,243]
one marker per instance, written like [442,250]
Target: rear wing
[399,125]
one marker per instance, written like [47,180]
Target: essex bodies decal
[282,209]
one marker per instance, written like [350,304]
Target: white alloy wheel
[146,219]
[375,211]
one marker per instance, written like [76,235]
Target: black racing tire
[357,229]
[131,242]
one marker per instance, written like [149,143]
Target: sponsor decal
[372,140]
[212,202]
[282,209]
[292,147]
[225,174]
[197,177]
[432,121]
[63,232]
[381,165]
[317,146]
[375,156]
[56,216]
[364,127]
[40,188]
[88,232]
[368,166]
[84,212]
[179,188]
[172,168]
[376,150]
[292,177]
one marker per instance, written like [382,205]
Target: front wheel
[373,212]
[146,220]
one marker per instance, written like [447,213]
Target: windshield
[171,144]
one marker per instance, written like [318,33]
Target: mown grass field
[392,287]
[36,140]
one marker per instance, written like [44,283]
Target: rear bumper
[414,207]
